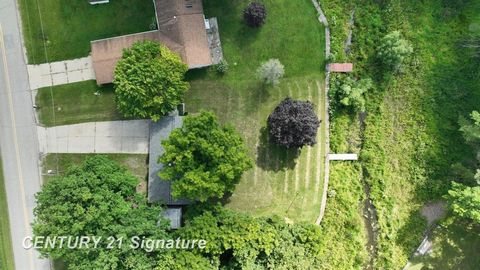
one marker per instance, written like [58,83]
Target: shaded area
[273,157]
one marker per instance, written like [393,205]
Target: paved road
[18,138]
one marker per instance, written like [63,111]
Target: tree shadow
[272,157]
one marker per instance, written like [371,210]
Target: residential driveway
[63,72]
[130,137]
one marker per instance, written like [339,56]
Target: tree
[149,81]
[240,241]
[271,71]
[393,50]
[293,124]
[98,199]
[471,128]
[465,201]
[255,14]
[351,93]
[204,159]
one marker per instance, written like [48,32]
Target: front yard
[278,184]
[76,103]
[57,30]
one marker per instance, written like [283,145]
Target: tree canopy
[293,124]
[203,159]
[350,93]
[255,14]
[149,81]
[240,241]
[471,128]
[393,50]
[465,201]
[97,198]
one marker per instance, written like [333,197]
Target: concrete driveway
[130,137]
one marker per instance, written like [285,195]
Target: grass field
[137,164]
[6,252]
[76,103]
[279,183]
[66,29]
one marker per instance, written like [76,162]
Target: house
[158,189]
[182,27]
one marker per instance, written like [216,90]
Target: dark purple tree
[255,14]
[293,124]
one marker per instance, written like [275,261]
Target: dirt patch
[433,211]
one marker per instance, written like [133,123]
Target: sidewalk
[130,137]
[63,72]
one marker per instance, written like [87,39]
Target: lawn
[137,164]
[6,252]
[57,30]
[280,183]
[76,103]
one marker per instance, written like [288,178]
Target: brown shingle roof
[181,27]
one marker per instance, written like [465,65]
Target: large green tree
[465,201]
[204,159]
[471,128]
[240,241]
[149,81]
[99,199]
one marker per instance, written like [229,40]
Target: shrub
[271,71]
[350,93]
[255,14]
[222,67]
[293,124]
[393,50]
[149,81]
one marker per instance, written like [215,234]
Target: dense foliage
[271,72]
[149,81]
[98,199]
[255,14]
[350,93]
[239,241]
[293,124]
[471,128]
[204,159]
[465,201]
[409,139]
[393,50]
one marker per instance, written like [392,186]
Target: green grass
[6,252]
[454,247]
[76,103]
[68,27]
[137,164]
[278,183]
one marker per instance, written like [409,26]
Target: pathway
[323,20]
[63,72]
[129,137]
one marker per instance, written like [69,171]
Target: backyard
[279,183]
[54,30]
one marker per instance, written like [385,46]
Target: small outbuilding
[174,215]
[341,67]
